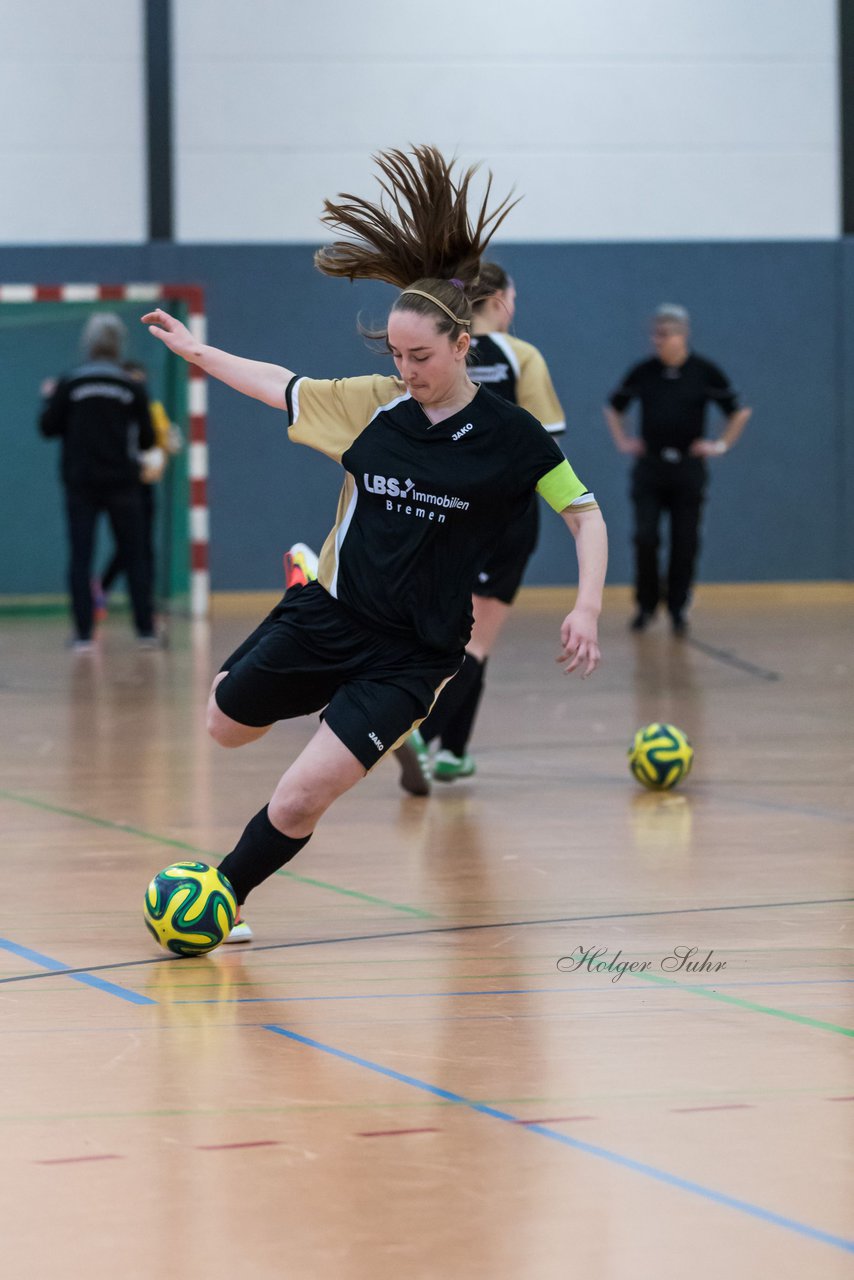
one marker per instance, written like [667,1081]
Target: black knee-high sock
[261,850]
[452,697]
[458,729]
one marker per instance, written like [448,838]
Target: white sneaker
[241,932]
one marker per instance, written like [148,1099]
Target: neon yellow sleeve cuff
[560,487]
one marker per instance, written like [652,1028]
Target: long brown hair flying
[418,234]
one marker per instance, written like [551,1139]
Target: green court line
[23,610]
[206,853]
[747,1004]
[18,1118]
[15,1118]
[810,1093]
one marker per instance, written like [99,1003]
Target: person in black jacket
[669,474]
[102,417]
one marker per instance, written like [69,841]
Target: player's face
[670,342]
[432,366]
[507,299]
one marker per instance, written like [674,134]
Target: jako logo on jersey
[462,431]
[391,487]
[375,740]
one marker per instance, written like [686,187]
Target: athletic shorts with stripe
[312,653]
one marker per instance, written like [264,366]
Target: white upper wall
[72,143]
[617,119]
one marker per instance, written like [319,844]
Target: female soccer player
[517,371]
[434,468]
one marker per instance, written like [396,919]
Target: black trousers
[678,488]
[124,510]
[117,564]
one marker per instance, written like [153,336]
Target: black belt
[669,455]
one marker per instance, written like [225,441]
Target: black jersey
[421,503]
[673,399]
[517,371]
[103,418]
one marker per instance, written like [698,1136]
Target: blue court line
[56,966]
[587,1148]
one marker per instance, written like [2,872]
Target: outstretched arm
[579,632]
[254,378]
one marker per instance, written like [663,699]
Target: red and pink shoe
[300,565]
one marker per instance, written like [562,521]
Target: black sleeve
[628,390]
[142,413]
[719,389]
[54,412]
[535,450]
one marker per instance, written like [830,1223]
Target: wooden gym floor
[397,1078]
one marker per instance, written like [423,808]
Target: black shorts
[501,575]
[311,653]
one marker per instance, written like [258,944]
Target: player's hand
[706,449]
[579,640]
[631,445]
[47,388]
[171,332]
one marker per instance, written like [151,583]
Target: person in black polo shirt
[673,389]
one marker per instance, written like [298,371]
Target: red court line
[233,1146]
[850,1098]
[727,1106]
[76,1159]
[393,1133]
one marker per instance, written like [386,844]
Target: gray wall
[774,315]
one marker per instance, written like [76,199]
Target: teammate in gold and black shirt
[516,371]
[433,468]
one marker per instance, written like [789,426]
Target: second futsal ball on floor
[660,756]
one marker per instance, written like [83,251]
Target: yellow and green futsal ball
[660,756]
[190,908]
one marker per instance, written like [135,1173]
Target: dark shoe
[413,756]
[640,621]
[679,624]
